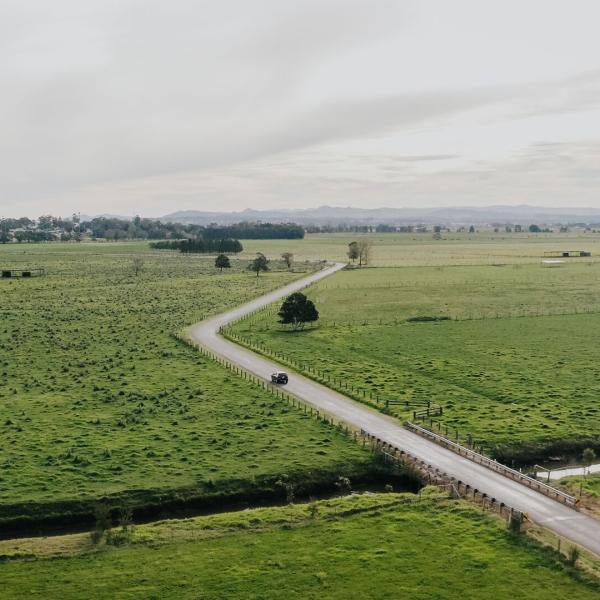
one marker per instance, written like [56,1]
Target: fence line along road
[548,512]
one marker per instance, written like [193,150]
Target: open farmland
[514,366]
[98,398]
[419,249]
[428,548]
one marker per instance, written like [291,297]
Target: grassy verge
[374,546]
[588,488]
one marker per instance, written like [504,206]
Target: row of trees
[259,264]
[138,228]
[114,229]
[200,245]
[26,236]
[255,231]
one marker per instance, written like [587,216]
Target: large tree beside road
[297,310]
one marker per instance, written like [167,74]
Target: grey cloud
[425,157]
[107,93]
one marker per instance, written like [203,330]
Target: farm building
[566,254]
[11,273]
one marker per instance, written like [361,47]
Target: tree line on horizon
[50,228]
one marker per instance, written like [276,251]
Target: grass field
[401,249]
[514,366]
[590,485]
[98,398]
[377,546]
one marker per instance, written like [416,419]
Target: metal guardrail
[440,478]
[494,465]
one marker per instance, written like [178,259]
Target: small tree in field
[138,265]
[364,251]
[297,310]
[260,263]
[288,259]
[222,262]
[573,556]
[353,251]
[103,523]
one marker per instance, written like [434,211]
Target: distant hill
[334,215]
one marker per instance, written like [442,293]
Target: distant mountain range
[336,215]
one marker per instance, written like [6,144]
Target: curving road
[579,528]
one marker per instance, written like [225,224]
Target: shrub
[573,556]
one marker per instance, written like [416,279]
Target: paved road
[579,528]
[568,472]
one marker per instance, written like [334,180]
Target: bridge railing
[435,476]
[494,465]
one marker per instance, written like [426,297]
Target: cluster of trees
[360,250]
[200,246]
[345,228]
[46,229]
[138,228]
[114,229]
[10,224]
[29,235]
[255,231]
[258,265]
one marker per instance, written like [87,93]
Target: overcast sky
[144,106]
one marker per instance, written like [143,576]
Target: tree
[365,246]
[138,265]
[260,263]
[588,456]
[125,518]
[297,310]
[353,251]
[288,259]
[534,229]
[472,229]
[222,262]
[103,522]
[573,556]
[46,222]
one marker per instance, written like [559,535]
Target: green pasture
[97,397]
[389,295]
[377,546]
[406,249]
[514,366]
